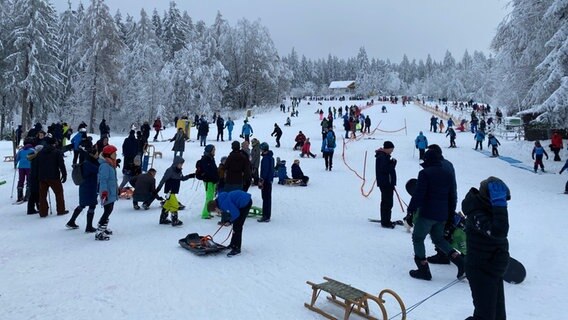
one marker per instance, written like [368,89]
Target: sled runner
[515,272]
[292,182]
[352,300]
[397,222]
[200,245]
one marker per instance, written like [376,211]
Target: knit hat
[235,146]
[264,146]
[108,150]
[209,148]
[388,145]
[484,190]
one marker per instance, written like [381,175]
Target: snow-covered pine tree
[100,48]
[142,88]
[68,35]
[174,31]
[34,74]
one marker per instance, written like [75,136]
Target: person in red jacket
[157,127]
[300,139]
[556,145]
[306,149]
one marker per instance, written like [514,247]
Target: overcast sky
[386,28]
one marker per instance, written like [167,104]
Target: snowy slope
[49,272]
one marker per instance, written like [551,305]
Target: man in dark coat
[104,128]
[33,185]
[130,148]
[51,174]
[237,169]
[487,226]
[220,127]
[144,189]
[386,181]
[145,130]
[431,201]
[202,132]
[265,181]
[278,133]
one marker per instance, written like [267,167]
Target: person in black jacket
[278,133]
[171,182]
[130,148]
[431,201]
[265,181]
[145,129]
[144,189]
[220,126]
[209,173]
[487,226]
[386,181]
[51,174]
[104,129]
[202,132]
[237,169]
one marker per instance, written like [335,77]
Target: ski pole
[13,184]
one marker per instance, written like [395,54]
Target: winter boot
[71,224]
[175,221]
[20,195]
[439,258]
[89,228]
[233,252]
[101,234]
[164,217]
[136,207]
[423,271]
[458,260]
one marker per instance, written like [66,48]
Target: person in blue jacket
[24,169]
[328,147]
[421,143]
[479,137]
[539,152]
[87,191]
[108,189]
[265,181]
[229,125]
[234,207]
[76,142]
[246,131]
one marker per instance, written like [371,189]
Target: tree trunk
[25,119]
[93,100]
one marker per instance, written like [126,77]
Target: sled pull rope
[416,305]
[400,201]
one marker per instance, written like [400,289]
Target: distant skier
[493,143]
[479,138]
[452,134]
[421,142]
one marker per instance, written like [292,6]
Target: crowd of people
[431,211]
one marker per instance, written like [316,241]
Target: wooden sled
[200,245]
[352,300]
[8,158]
[292,182]
[255,211]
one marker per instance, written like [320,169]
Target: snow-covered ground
[49,272]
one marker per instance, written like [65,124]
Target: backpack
[330,141]
[77,174]
[199,170]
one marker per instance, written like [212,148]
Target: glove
[191,176]
[63,178]
[104,196]
[260,183]
[498,193]
[225,217]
